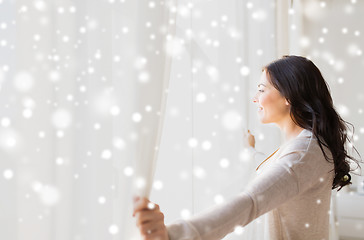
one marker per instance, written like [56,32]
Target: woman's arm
[152,219]
[274,186]
[271,188]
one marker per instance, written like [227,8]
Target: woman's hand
[249,139]
[149,220]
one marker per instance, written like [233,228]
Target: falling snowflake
[101,200]
[224,163]
[128,171]
[61,118]
[192,142]
[185,214]
[106,154]
[206,145]
[23,81]
[113,229]
[8,174]
[231,120]
[158,185]
[5,122]
[201,97]
[136,117]
[244,71]
[238,230]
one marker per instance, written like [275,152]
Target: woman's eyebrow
[261,84]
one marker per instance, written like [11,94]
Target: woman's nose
[255,99]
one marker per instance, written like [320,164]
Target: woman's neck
[289,130]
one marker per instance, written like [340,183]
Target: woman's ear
[287,103]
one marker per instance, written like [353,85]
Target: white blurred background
[89,88]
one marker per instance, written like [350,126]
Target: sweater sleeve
[273,186]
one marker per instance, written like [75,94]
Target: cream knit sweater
[293,187]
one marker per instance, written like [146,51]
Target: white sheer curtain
[82,89]
[146,72]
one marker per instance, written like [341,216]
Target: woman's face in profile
[272,106]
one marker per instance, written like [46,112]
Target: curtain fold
[151,95]
[148,57]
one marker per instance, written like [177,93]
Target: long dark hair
[311,107]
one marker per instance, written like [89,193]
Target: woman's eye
[260,90]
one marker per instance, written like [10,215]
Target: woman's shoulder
[305,148]
[301,143]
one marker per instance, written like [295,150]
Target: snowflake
[61,119]
[8,174]
[136,117]
[224,163]
[101,200]
[5,122]
[106,154]
[113,229]
[185,214]
[158,185]
[128,171]
[192,142]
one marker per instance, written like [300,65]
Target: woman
[294,184]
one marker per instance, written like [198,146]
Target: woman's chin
[263,121]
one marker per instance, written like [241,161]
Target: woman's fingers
[140,204]
[251,139]
[157,235]
[151,227]
[144,204]
[146,216]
